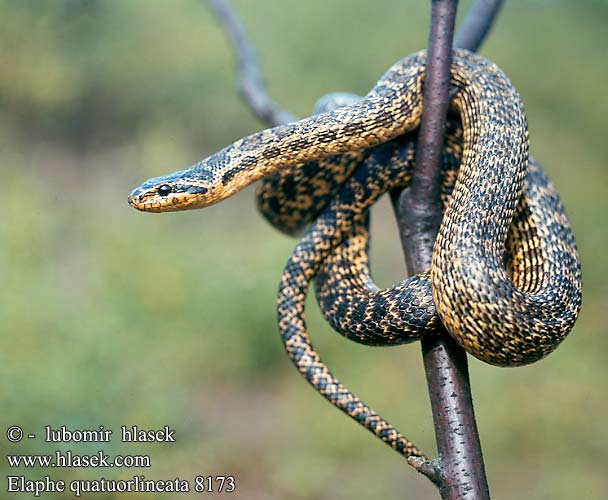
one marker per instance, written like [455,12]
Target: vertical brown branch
[460,465]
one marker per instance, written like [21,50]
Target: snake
[505,277]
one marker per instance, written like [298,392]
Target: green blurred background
[115,317]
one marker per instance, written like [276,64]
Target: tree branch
[460,464]
[477,24]
[250,83]
[459,470]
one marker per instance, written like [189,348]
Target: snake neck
[393,107]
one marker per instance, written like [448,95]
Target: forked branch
[459,471]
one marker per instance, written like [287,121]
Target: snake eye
[164,190]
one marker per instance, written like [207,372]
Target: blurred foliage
[114,317]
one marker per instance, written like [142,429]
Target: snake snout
[136,198]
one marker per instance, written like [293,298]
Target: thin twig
[471,34]
[251,86]
[477,24]
[429,468]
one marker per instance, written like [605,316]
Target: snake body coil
[506,314]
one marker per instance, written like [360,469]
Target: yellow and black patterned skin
[507,312]
[292,198]
[345,265]
[344,287]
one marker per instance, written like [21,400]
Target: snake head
[183,190]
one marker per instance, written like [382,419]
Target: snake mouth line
[138,202]
[135,200]
[172,203]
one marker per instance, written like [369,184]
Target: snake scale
[505,279]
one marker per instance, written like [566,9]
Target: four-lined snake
[505,278]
